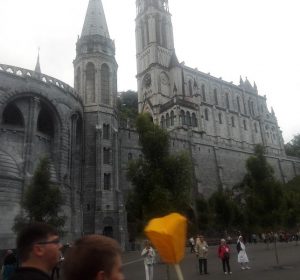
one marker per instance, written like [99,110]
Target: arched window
[216,96]
[203,92]
[220,118]
[252,108]
[172,118]
[190,88]
[182,117]
[90,83]
[164,33]
[12,116]
[232,121]
[194,120]
[167,120]
[206,114]
[188,119]
[105,87]
[162,122]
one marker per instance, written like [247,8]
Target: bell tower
[155,54]
[95,71]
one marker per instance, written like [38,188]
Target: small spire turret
[37,68]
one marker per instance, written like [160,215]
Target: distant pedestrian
[201,253]
[192,244]
[224,255]
[149,256]
[242,255]
[9,265]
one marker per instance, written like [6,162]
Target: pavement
[262,261]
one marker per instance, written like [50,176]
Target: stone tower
[155,55]
[96,81]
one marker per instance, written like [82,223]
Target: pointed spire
[95,22]
[37,68]
[255,86]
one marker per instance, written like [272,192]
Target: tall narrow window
[188,119]
[220,118]
[172,117]
[255,127]
[162,122]
[107,181]
[90,83]
[203,92]
[245,124]
[232,121]
[206,114]
[238,104]
[216,96]
[190,88]
[106,131]
[227,100]
[194,120]
[78,80]
[182,117]
[167,120]
[164,33]
[106,155]
[105,87]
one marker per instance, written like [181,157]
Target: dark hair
[89,255]
[31,234]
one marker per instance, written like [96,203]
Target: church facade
[217,122]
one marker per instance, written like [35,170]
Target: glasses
[54,241]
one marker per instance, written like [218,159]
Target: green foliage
[293,147]
[162,182]
[42,201]
[261,193]
[127,104]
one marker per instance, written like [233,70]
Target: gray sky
[254,38]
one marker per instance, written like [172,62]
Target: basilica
[217,122]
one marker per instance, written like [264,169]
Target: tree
[42,200]
[292,148]
[161,181]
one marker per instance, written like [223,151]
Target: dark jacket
[29,273]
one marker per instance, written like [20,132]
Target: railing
[25,73]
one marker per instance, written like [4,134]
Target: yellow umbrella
[168,235]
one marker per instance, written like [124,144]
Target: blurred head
[39,244]
[240,238]
[223,241]
[93,257]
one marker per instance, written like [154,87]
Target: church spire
[38,66]
[95,22]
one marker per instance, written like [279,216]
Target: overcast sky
[254,38]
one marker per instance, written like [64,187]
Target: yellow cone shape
[168,235]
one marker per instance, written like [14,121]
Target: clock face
[147,80]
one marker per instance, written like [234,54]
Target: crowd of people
[41,255]
[200,247]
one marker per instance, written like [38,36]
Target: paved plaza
[262,262]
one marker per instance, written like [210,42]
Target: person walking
[224,255]
[201,253]
[149,256]
[242,255]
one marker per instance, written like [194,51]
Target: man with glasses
[38,247]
